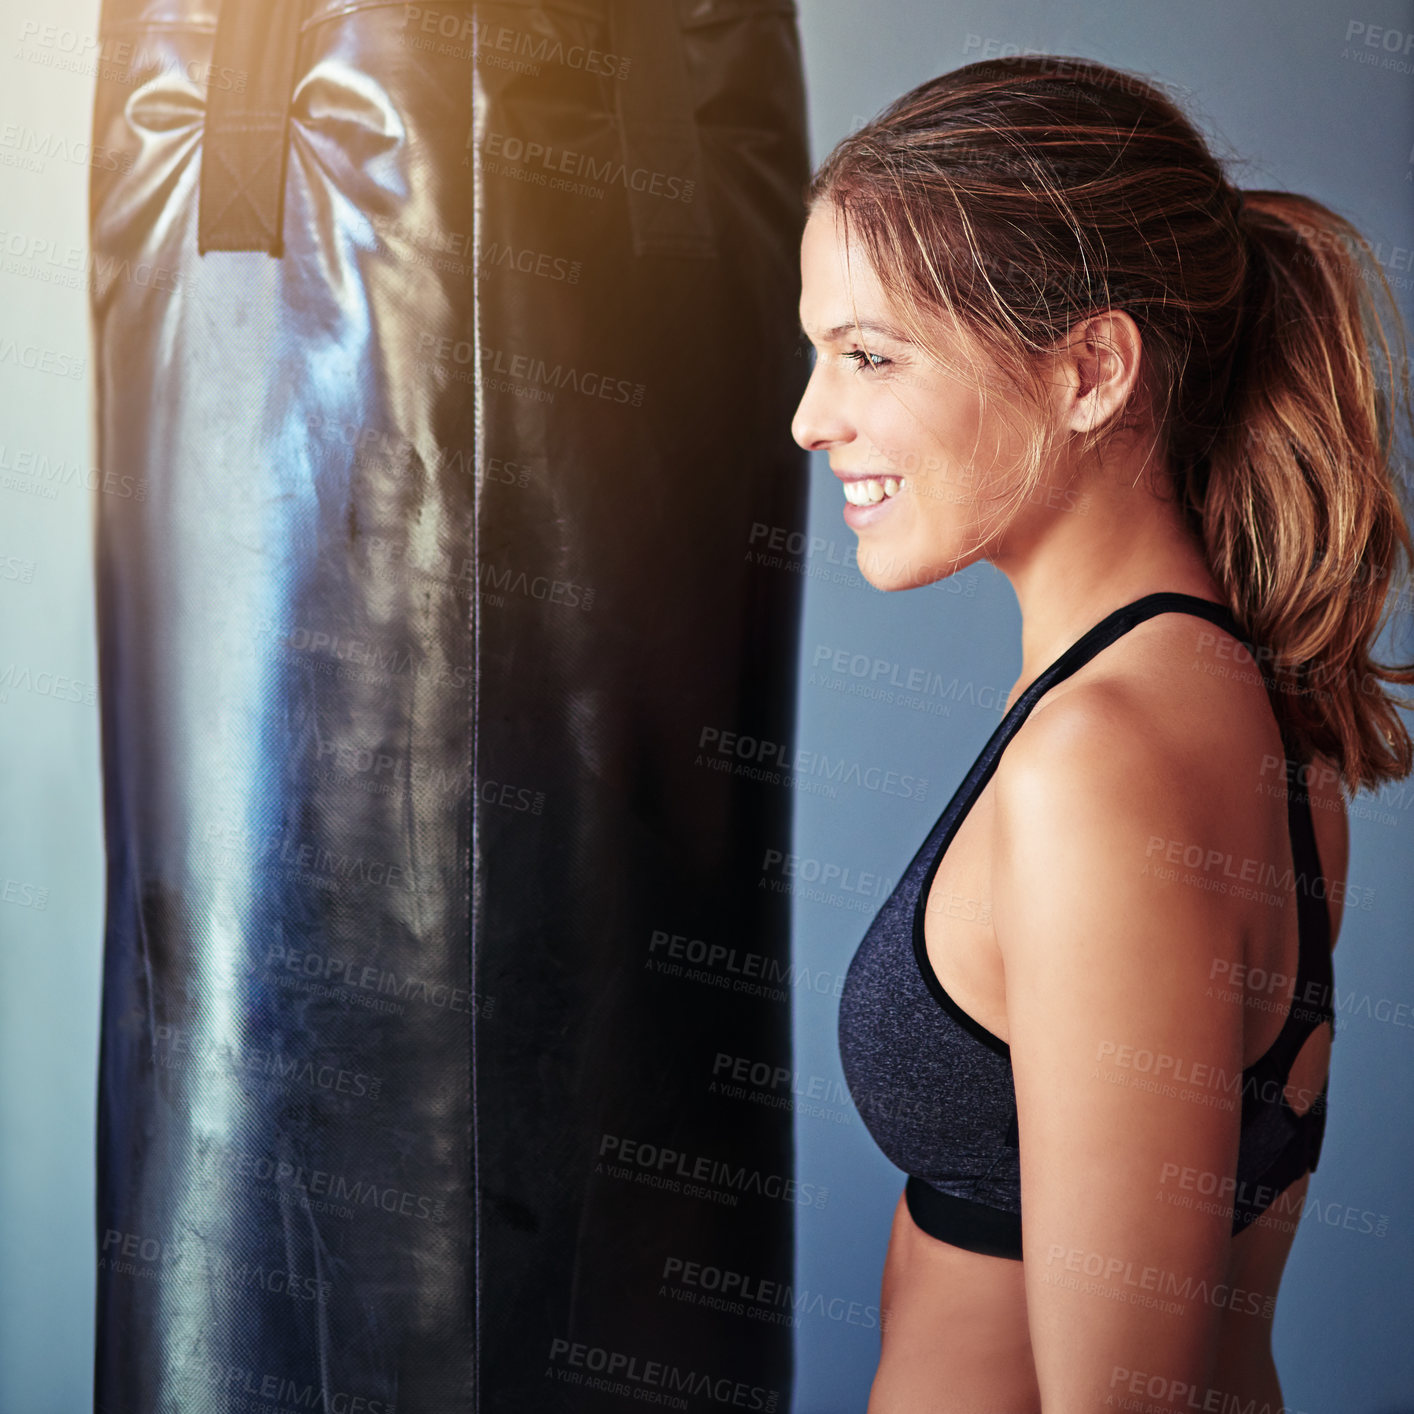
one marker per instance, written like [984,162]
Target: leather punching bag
[448,350]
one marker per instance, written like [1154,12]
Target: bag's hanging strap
[245,143]
[667,201]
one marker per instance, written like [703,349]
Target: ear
[1096,368]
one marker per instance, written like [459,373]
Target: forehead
[838,283]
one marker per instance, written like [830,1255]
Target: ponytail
[1297,504]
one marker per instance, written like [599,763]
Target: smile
[870,489]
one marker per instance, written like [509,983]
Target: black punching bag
[450,351]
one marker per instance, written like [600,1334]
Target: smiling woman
[1052,335]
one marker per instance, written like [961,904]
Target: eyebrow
[865,325]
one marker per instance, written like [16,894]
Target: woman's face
[915,441]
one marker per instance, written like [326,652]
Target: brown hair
[1013,197]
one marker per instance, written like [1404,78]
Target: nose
[819,421]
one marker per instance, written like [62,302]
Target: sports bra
[934,1087]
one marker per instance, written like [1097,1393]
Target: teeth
[871,490]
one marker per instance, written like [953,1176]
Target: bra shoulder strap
[1113,626]
[1314,971]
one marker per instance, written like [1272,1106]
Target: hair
[1010,199]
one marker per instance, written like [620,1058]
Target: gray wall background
[1293,88]
[51,826]
[1282,82]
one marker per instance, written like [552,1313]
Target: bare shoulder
[1140,758]
[1109,741]
[1091,775]
[1173,708]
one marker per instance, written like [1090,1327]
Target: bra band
[963,1222]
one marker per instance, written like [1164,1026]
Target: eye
[874,360]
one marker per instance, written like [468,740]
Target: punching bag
[448,350]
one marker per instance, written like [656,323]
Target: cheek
[948,439]
[937,439]
[974,452]
[900,446]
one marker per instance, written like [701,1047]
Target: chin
[882,570]
[895,571]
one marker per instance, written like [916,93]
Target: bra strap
[1113,626]
[1313,993]
[1116,624]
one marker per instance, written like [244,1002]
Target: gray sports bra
[934,1087]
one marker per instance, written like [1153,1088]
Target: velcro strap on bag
[658,132]
[245,144]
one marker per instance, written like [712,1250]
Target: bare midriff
[955,1336]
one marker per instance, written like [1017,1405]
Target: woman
[1051,334]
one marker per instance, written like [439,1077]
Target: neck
[1069,568]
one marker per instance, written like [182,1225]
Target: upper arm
[1126,1062]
